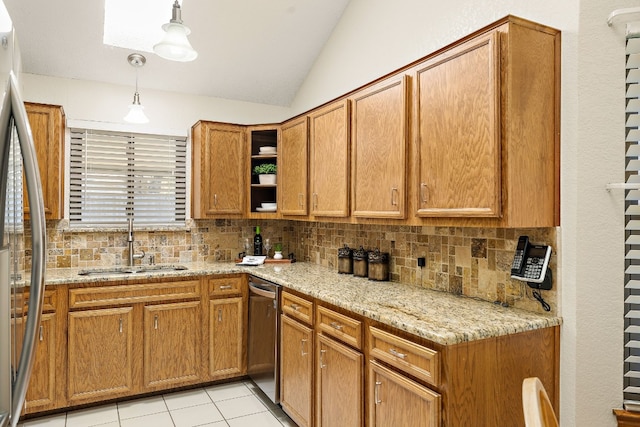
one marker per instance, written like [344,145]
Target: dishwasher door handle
[262,292]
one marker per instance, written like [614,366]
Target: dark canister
[378,265]
[360,262]
[345,260]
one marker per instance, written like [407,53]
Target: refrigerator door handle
[38,233]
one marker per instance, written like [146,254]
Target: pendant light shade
[175,46]
[136,110]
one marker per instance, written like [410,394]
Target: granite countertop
[437,316]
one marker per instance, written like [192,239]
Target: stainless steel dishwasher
[264,336]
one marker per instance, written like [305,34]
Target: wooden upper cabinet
[457,119]
[486,129]
[294,155]
[379,131]
[218,183]
[329,163]
[47,126]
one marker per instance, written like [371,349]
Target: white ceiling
[249,50]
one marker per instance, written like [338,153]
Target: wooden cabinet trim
[130,294]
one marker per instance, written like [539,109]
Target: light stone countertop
[437,316]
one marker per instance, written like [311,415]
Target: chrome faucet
[132,256]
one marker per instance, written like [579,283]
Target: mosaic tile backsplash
[470,261]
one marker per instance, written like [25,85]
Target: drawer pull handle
[155,322]
[225,287]
[322,364]
[294,307]
[121,325]
[302,352]
[41,336]
[396,353]
[336,326]
[377,393]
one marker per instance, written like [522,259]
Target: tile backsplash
[470,261]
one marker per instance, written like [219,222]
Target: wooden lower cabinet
[171,344]
[226,340]
[395,400]
[41,394]
[101,355]
[339,384]
[296,371]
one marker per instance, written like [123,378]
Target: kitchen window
[119,175]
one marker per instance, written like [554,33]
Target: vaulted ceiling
[249,50]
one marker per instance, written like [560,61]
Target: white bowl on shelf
[267,150]
[269,205]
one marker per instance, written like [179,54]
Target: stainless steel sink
[131,270]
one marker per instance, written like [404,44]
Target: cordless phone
[518,258]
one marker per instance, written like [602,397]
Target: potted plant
[266,173]
[277,248]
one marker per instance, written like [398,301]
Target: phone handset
[519,257]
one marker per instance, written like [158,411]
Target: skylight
[137,24]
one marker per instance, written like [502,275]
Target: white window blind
[632,229]
[117,175]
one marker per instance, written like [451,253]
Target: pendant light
[175,46]
[136,110]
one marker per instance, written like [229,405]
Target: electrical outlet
[422,262]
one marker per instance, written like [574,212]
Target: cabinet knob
[219,315]
[215,200]
[120,325]
[301,200]
[41,334]
[225,287]
[302,343]
[294,307]
[394,196]
[322,364]
[155,322]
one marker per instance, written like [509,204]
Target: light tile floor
[236,404]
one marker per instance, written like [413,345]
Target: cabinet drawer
[339,326]
[298,308]
[130,294]
[412,358]
[225,286]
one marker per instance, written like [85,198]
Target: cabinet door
[339,387]
[47,126]
[395,400]
[218,184]
[457,117]
[296,371]
[41,394]
[329,164]
[379,130]
[100,354]
[294,160]
[171,344]
[226,345]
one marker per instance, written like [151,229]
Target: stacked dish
[267,207]
[267,150]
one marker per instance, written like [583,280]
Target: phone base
[546,284]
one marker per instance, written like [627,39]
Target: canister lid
[345,252]
[360,254]
[376,256]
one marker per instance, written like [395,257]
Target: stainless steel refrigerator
[23,244]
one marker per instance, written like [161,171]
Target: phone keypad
[533,269]
[517,260]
